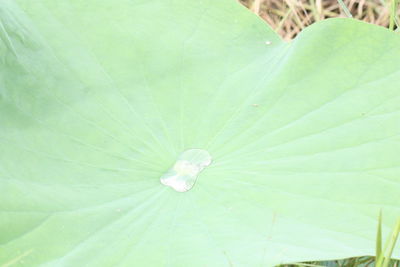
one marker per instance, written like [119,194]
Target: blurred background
[289,17]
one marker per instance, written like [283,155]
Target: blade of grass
[314,11]
[392,243]
[393,8]
[297,19]
[279,27]
[345,9]
[365,260]
[378,251]
[255,7]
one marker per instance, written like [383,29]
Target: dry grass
[289,17]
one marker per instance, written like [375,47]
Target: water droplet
[183,175]
[268,42]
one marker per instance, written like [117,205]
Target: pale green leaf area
[98,99]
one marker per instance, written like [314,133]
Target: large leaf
[98,100]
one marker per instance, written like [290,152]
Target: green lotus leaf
[282,152]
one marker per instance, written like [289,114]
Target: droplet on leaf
[183,175]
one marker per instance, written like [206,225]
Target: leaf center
[183,174]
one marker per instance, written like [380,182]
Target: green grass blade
[345,9]
[392,243]
[378,250]
[393,8]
